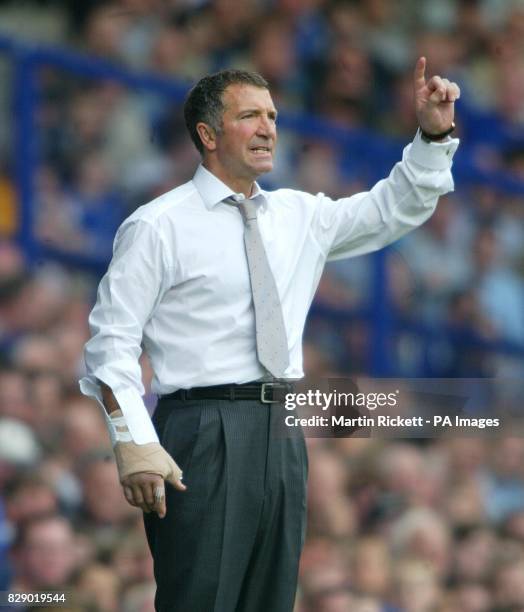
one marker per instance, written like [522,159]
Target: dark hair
[24,527]
[204,101]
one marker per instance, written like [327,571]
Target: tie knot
[248,209]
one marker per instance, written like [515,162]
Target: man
[216,278]
[44,554]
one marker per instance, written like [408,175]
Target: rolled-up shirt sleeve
[368,221]
[137,277]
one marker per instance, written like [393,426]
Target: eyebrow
[257,111]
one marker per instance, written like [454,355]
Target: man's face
[48,556]
[246,141]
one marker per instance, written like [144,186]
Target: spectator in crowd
[104,509]
[28,496]
[371,567]
[416,585]
[98,585]
[44,554]
[83,430]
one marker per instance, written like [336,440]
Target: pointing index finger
[419,73]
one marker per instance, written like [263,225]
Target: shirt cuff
[132,406]
[433,155]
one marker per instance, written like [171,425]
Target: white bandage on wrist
[119,431]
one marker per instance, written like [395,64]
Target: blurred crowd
[421,525]
[413,525]
[103,149]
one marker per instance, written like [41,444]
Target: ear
[207,136]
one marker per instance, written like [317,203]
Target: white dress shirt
[178,282]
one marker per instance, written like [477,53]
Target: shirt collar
[213,191]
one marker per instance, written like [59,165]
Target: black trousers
[232,541]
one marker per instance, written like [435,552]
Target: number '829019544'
[32,598]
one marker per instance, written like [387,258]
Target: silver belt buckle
[263,393]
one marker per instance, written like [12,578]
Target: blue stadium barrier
[379,152]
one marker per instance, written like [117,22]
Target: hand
[143,468]
[434,100]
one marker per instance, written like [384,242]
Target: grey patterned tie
[269,322]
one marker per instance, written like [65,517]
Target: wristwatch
[434,137]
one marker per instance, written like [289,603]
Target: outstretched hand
[434,100]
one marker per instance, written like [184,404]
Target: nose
[266,127]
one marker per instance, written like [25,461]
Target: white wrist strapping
[120,426]
[117,427]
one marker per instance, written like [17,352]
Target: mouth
[261,151]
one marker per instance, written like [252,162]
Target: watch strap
[434,137]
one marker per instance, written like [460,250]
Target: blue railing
[377,152]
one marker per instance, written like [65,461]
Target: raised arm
[404,200]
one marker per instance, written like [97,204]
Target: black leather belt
[265,392]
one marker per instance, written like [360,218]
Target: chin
[263,167]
